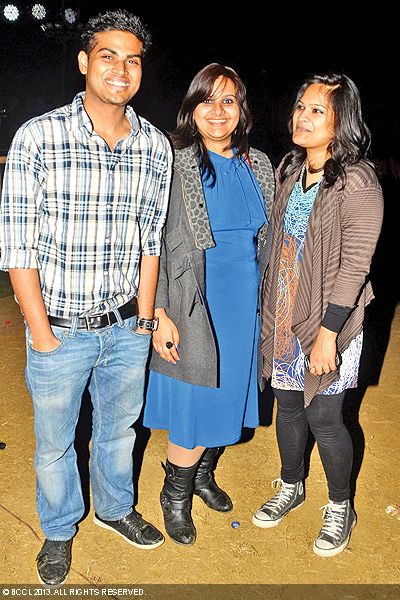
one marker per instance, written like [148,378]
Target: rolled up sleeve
[21,196]
[152,245]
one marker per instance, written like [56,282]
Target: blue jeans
[114,360]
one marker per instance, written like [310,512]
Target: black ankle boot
[176,502]
[205,485]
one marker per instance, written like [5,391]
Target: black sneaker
[339,521]
[53,562]
[134,530]
[289,497]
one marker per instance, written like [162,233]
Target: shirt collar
[80,120]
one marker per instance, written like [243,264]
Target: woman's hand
[166,335]
[323,353]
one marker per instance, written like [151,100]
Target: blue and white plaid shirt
[80,213]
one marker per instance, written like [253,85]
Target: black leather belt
[130,309]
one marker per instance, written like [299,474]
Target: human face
[314,119]
[217,117]
[113,68]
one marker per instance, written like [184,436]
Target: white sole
[334,551]
[269,524]
[141,546]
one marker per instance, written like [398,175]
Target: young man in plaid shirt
[84,201]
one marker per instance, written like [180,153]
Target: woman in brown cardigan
[325,224]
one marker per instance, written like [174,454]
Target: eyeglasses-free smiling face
[314,119]
[218,116]
[113,68]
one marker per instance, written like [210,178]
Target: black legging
[324,416]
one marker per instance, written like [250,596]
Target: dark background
[271,52]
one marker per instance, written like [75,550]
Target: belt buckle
[87,320]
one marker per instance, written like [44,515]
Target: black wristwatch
[149,324]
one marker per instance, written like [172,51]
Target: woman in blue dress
[203,380]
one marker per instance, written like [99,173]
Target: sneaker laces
[135,522]
[334,515]
[281,498]
[54,551]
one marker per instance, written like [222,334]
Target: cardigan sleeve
[335,317]
[361,215]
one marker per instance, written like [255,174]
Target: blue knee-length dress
[198,415]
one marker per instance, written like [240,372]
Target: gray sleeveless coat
[181,285]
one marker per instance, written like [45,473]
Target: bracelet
[149,324]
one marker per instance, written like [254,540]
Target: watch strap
[149,324]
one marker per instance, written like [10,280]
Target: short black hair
[119,20]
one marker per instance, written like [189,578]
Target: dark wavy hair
[352,140]
[186,132]
[120,20]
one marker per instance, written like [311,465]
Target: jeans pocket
[58,332]
[130,325]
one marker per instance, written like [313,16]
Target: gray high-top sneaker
[339,521]
[289,497]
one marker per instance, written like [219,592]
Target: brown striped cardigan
[342,234]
